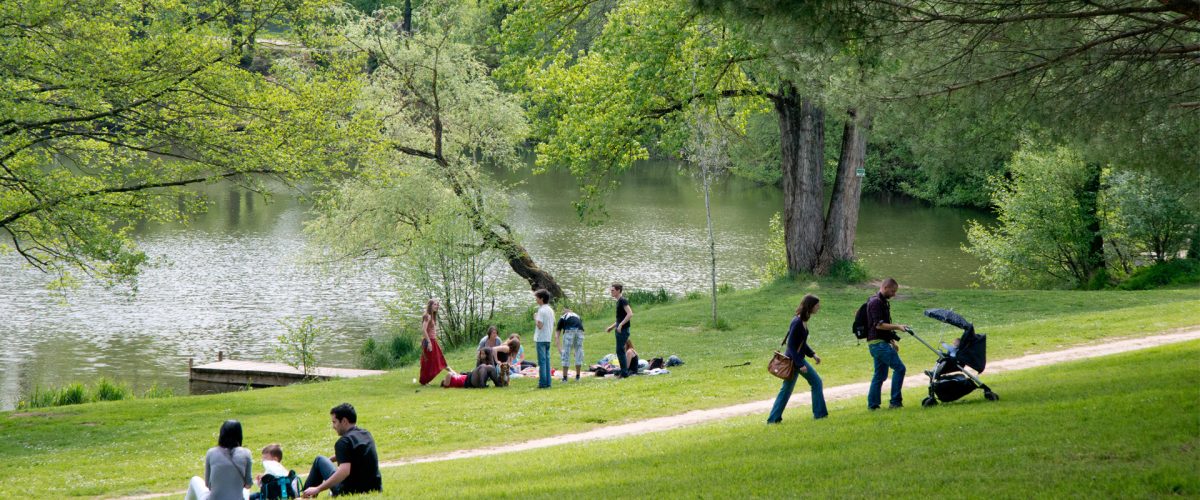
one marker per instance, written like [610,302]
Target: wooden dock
[227,375]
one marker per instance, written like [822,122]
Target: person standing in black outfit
[624,314]
[357,469]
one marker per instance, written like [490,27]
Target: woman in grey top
[226,468]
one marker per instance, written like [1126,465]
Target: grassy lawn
[155,445]
[1123,426]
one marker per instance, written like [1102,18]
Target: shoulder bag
[781,366]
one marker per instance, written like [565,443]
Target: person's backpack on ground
[279,488]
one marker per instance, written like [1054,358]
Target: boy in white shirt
[272,458]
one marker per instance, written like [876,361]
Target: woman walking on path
[797,349]
[432,359]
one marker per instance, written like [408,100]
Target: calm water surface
[224,281]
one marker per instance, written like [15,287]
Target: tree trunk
[1089,200]
[802,147]
[522,264]
[842,222]
[406,25]
[1194,246]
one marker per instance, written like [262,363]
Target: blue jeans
[785,393]
[622,337]
[322,469]
[886,357]
[543,355]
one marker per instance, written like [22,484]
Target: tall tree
[599,110]
[441,114]
[109,107]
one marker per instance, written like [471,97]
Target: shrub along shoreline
[723,367]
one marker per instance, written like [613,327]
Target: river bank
[223,281]
[723,367]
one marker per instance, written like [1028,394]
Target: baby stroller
[952,377]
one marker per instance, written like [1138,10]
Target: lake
[225,280]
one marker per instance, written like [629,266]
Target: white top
[274,468]
[545,314]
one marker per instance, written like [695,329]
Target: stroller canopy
[950,318]
[972,347]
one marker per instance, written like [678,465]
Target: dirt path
[840,392]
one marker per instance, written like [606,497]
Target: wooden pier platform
[228,375]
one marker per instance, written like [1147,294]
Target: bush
[297,347]
[1043,236]
[1152,213]
[157,392]
[396,351]
[106,390]
[647,297]
[77,393]
[849,271]
[1172,272]
[775,266]
[72,394]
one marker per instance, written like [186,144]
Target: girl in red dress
[432,359]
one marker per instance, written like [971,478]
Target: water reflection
[225,280]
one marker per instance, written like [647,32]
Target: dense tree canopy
[106,107]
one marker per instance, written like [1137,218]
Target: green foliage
[849,271]
[298,345]
[107,390]
[157,392]
[775,266]
[1042,236]
[102,389]
[395,351]
[110,107]
[1153,214]
[73,394]
[451,263]
[647,297]
[1176,272]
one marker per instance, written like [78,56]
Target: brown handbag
[781,366]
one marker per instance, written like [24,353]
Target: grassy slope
[86,450]
[1121,426]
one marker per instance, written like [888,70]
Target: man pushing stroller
[882,341]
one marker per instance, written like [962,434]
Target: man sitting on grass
[357,469]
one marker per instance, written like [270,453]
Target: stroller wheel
[991,396]
[929,401]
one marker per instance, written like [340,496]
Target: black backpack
[278,488]
[859,328]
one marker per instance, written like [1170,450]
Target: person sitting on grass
[518,361]
[226,468]
[272,461]
[632,356]
[357,469]
[491,339]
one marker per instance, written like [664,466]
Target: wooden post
[220,355]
